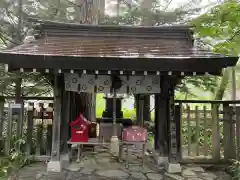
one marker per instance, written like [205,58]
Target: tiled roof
[120,42]
[110,47]
[111,41]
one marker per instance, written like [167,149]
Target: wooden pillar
[215,133]
[178,129]
[56,121]
[2,102]
[146,110]
[72,110]
[39,138]
[172,128]
[137,98]
[141,111]
[9,132]
[238,133]
[54,164]
[49,111]
[172,166]
[66,118]
[140,107]
[228,133]
[18,100]
[162,117]
[29,127]
[156,122]
[92,110]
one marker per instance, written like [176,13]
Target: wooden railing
[209,130]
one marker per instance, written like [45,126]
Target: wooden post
[2,102]
[189,130]
[173,166]
[178,129]
[49,111]
[39,129]
[137,99]
[18,100]
[238,133]
[141,111]
[215,133]
[156,120]
[172,128]
[66,117]
[30,110]
[9,132]
[55,155]
[163,118]
[205,133]
[146,108]
[197,130]
[228,132]
[55,165]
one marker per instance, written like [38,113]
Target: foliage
[234,170]
[33,84]
[66,11]
[219,30]
[17,159]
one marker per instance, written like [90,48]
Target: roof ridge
[57,24]
[51,28]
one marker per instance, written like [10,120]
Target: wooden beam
[111,63]
[208,101]
[31,98]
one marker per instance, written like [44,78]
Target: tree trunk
[223,84]
[146,7]
[102,9]
[89,13]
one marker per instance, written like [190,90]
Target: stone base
[161,160]
[54,166]
[65,160]
[114,145]
[173,167]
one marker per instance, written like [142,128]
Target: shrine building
[91,58]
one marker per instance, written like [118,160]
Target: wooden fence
[36,131]
[209,130]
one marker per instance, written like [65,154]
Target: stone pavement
[103,166]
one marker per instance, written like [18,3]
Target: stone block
[173,167]
[161,160]
[54,166]
[65,160]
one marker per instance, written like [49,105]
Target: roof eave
[17,61]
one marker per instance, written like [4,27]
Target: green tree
[130,12]
[219,29]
